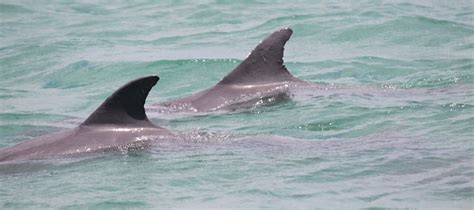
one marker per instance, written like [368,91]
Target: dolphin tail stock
[126,105]
[264,63]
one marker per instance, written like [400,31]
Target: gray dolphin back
[265,62]
[122,110]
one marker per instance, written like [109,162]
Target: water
[60,59]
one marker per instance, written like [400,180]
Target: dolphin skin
[120,122]
[260,78]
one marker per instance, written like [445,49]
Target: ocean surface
[60,59]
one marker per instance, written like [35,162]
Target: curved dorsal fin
[125,105]
[264,63]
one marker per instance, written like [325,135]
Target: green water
[60,59]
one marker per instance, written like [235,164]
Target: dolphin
[119,122]
[260,78]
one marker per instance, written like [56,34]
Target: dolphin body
[263,79]
[120,122]
[259,79]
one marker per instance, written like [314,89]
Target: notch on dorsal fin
[125,105]
[264,63]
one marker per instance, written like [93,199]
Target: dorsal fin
[125,105]
[264,63]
